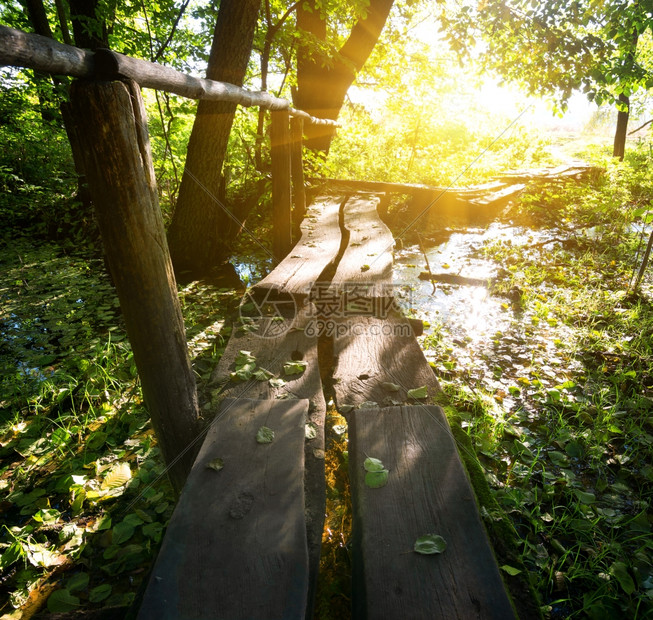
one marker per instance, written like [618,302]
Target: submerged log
[450,278]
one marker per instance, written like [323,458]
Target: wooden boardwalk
[244,540]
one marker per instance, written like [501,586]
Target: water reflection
[491,339]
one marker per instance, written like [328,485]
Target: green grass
[559,405]
[84,499]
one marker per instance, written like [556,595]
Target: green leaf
[376,479]
[276,383]
[104,523]
[558,458]
[122,533]
[78,582]
[294,368]
[11,555]
[310,431]
[511,570]
[118,476]
[99,593]
[418,393]
[243,358]
[62,601]
[216,464]
[371,464]
[585,497]
[47,516]
[391,387]
[265,435]
[153,531]
[244,373]
[430,544]
[262,375]
[619,571]
[365,267]
[144,516]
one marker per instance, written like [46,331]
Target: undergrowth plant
[84,499]
[559,405]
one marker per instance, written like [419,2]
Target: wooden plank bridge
[244,542]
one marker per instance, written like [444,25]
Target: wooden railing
[112,132]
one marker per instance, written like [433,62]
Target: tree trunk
[619,149]
[281,193]
[122,183]
[88,31]
[203,228]
[38,17]
[322,86]
[297,173]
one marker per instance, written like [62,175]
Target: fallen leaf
[216,464]
[430,544]
[265,435]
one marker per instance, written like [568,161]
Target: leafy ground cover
[556,398]
[84,496]
[557,394]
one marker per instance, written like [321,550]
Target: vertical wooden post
[123,188]
[297,172]
[281,194]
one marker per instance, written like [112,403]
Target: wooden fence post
[297,172]
[123,188]
[281,194]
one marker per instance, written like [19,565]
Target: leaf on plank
[430,544]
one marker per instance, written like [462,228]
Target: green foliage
[82,481]
[417,119]
[557,402]
[554,48]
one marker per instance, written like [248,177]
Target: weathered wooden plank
[286,341]
[370,352]
[427,493]
[317,249]
[273,343]
[367,261]
[235,547]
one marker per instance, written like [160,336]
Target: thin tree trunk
[297,173]
[203,229]
[38,17]
[642,269]
[281,184]
[621,132]
[123,187]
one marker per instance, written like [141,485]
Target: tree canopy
[551,49]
